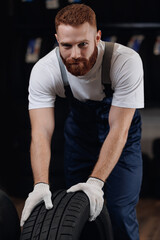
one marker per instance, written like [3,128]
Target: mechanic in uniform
[103,128]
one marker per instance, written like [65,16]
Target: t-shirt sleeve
[41,88]
[128,82]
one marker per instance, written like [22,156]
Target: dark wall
[30,20]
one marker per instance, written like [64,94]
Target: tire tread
[65,221]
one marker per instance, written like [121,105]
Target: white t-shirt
[126,75]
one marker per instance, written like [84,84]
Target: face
[78,47]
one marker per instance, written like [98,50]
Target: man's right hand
[40,193]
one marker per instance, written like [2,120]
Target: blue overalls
[85,130]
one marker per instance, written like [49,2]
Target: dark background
[23,21]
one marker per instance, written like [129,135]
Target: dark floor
[148,212]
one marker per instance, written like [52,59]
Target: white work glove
[40,192]
[93,189]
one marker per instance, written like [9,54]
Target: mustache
[74,61]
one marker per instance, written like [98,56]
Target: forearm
[109,154]
[40,159]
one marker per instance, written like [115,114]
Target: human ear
[56,36]
[98,37]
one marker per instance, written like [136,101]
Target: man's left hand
[93,189]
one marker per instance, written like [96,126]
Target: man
[103,128]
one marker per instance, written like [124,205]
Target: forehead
[75,33]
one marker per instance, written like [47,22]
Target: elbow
[120,135]
[40,136]
[125,136]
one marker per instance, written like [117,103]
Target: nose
[75,52]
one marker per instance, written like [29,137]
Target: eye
[83,44]
[66,45]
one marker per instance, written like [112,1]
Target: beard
[81,66]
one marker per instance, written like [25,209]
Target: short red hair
[74,15]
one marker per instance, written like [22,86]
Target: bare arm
[42,127]
[119,121]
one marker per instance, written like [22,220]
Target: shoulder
[46,71]
[125,62]
[47,63]
[123,54]
[45,74]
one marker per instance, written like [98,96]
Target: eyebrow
[69,44]
[65,43]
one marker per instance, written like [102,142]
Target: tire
[67,220]
[9,219]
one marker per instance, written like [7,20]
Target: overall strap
[106,62]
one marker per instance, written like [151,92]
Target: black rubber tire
[9,219]
[67,220]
